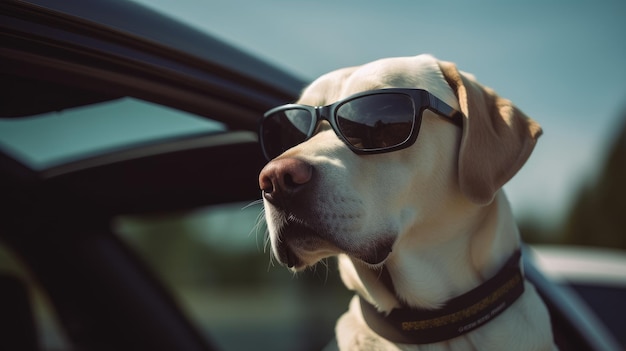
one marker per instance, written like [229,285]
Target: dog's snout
[284,177]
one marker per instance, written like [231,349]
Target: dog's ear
[497,137]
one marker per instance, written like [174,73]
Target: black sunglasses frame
[422,100]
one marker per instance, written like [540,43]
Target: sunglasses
[371,122]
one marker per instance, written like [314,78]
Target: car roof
[199,73]
[142,22]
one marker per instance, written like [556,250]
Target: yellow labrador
[396,168]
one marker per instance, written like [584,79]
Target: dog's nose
[284,177]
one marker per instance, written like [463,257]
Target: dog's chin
[299,246]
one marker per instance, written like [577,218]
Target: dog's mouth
[299,244]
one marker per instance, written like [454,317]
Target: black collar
[460,315]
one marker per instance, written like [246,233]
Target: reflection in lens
[285,129]
[376,121]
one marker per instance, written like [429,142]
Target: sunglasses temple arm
[445,110]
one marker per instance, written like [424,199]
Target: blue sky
[560,62]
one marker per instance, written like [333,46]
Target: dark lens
[376,121]
[285,129]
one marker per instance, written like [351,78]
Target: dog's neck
[426,276]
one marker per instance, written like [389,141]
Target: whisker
[325,263]
[259,226]
[270,263]
[255,202]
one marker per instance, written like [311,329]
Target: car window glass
[53,138]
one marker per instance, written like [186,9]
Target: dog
[412,207]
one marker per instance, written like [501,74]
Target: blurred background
[562,63]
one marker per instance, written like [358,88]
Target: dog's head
[325,195]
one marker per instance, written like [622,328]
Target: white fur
[444,244]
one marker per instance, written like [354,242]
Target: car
[594,276]
[130,213]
